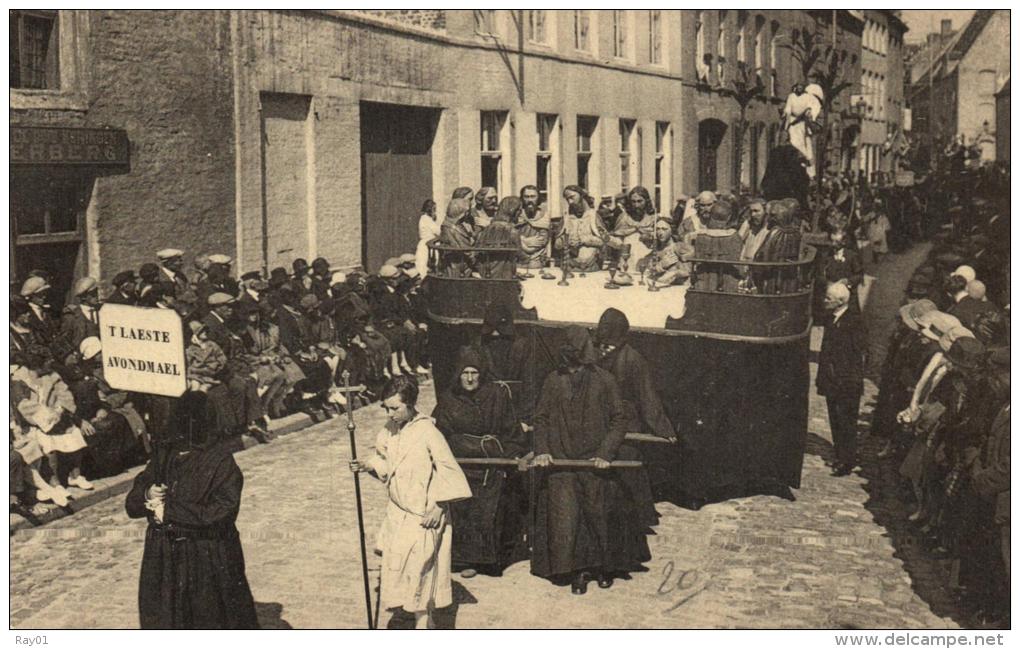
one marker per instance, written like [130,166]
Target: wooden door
[396,163]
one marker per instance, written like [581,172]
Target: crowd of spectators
[259,347]
[943,403]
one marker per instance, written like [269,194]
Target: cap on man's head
[977,289]
[299,263]
[965,272]
[85,285]
[34,285]
[392,261]
[407,259]
[320,264]
[219,299]
[169,253]
[251,275]
[411,271]
[89,347]
[221,259]
[389,271]
[196,326]
[337,278]
[123,277]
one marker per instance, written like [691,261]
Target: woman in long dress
[429,228]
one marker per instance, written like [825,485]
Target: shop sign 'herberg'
[143,349]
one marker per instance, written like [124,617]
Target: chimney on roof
[947,27]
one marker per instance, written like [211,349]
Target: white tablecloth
[587,298]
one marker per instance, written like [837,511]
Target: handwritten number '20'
[688,583]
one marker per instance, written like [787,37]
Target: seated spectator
[148,279]
[113,445]
[276,373]
[46,411]
[719,240]
[80,319]
[241,381]
[478,419]
[964,307]
[124,289]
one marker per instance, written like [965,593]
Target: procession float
[731,368]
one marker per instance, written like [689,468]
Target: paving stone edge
[116,485]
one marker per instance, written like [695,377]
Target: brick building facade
[272,135]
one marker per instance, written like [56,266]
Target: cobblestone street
[839,556]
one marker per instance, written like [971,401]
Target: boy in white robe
[415,463]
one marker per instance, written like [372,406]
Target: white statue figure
[803,109]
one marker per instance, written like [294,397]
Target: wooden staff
[348,390]
[566,464]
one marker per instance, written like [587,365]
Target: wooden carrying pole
[566,464]
[349,390]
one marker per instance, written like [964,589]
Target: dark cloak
[584,519]
[506,357]
[785,176]
[644,411]
[488,527]
[193,574]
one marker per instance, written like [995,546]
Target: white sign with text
[143,349]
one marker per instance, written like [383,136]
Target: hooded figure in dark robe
[193,574]
[500,233]
[457,231]
[643,408]
[478,419]
[586,520]
[506,357]
[786,176]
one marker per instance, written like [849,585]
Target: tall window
[585,150]
[493,123]
[35,50]
[655,36]
[699,44]
[759,45]
[546,158]
[720,47]
[582,25]
[663,167]
[537,26]
[773,84]
[627,158]
[620,44]
[742,36]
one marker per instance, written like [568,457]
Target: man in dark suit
[124,289]
[840,377]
